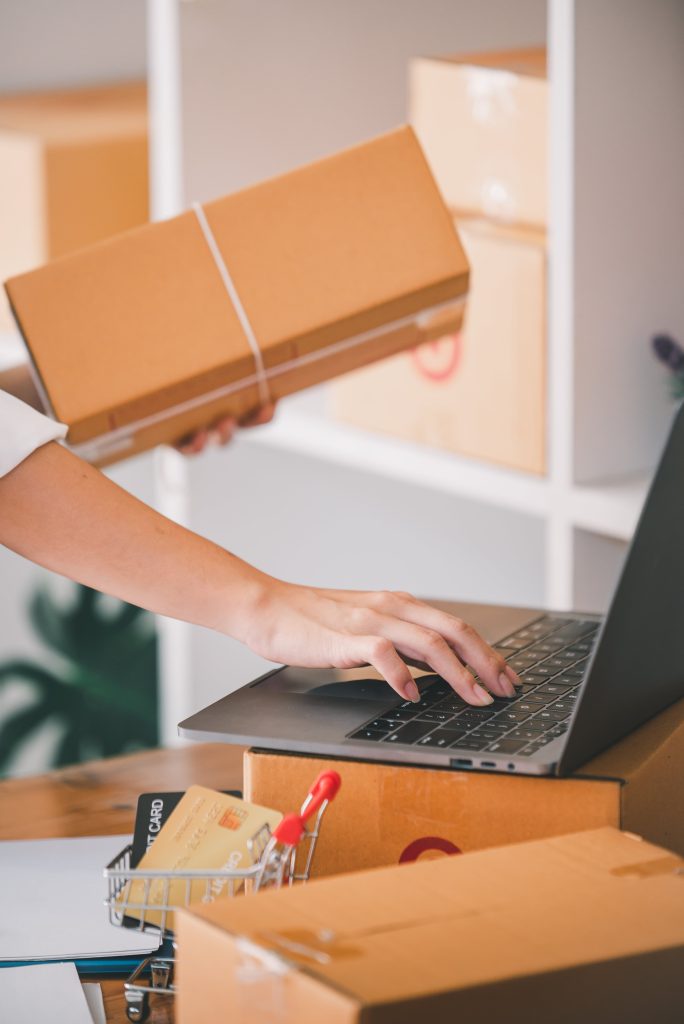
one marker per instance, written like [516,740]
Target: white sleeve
[22,430]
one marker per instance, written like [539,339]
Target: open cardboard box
[586,927]
[388,813]
[152,334]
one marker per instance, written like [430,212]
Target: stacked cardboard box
[481,391]
[587,927]
[73,170]
[388,814]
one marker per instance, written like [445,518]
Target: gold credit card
[207,830]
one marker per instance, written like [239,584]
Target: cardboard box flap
[531,61]
[76,115]
[501,913]
[335,249]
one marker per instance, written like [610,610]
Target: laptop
[587,681]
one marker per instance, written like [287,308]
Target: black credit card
[153,811]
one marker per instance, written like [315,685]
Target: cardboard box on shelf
[388,813]
[481,391]
[73,170]
[584,927]
[482,121]
[320,270]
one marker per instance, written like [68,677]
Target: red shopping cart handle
[290,830]
[293,826]
[324,788]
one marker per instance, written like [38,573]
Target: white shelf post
[166,200]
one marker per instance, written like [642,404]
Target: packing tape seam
[233,295]
[122,437]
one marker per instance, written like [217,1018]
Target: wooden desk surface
[99,798]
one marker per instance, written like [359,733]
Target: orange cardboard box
[582,928]
[145,337]
[388,814]
[482,121]
[73,170]
[480,391]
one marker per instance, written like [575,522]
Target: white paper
[52,901]
[48,992]
[93,993]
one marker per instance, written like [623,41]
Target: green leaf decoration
[101,683]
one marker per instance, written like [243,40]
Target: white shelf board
[317,436]
[611,508]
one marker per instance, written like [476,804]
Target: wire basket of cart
[144,899]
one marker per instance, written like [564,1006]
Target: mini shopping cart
[279,858]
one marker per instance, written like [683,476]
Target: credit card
[206,830]
[152,813]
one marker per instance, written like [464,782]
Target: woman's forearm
[63,514]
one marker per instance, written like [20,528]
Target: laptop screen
[638,663]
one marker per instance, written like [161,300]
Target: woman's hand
[223,431]
[318,628]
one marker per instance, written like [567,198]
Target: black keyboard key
[434,716]
[410,733]
[505,652]
[539,673]
[553,665]
[522,661]
[513,716]
[530,707]
[368,734]
[513,644]
[540,629]
[474,715]
[553,688]
[566,706]
[556,621]
[506,746]
[441,738]
[534,746]
[470,744]
[558,730]
[400,714]
[483,733]
[450,707]
[577,629]
[550,716]
[526,734]
[383,724]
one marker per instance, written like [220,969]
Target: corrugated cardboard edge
[287,990]
[122,437]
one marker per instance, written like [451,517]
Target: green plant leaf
[17,729]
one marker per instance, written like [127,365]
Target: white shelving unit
[607,412]
[616,223]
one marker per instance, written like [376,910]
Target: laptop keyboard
[550,655]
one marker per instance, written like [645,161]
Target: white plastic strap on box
[229,285]
[121,438]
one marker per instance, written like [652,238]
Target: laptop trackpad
[357,689]
[351,684]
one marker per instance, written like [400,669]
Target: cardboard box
[481,391]
[73,170]
[582,928]
[331,266]
[482,120]
[388,814]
